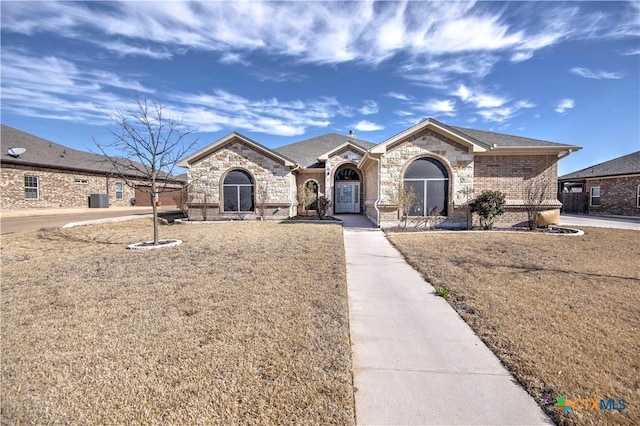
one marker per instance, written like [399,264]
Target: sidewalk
[415,361]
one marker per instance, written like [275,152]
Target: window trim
[121,197]
[237,186]
[425,180]
[591,196]
[638,197]
[36,187]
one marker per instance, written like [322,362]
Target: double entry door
[347,197]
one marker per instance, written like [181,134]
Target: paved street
[12,221]
[599,222]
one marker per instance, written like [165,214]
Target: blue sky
[287,71]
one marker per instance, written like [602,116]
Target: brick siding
[57,188]
[617,196]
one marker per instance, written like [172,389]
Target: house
[38,173]
[445,166]
[609,188]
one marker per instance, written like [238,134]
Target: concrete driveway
[600,222]
[21,220]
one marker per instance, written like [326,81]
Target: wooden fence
[574,202]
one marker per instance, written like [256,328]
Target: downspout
[375,205]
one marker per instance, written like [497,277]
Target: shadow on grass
[57,234]
[535,268]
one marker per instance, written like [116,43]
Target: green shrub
[488,205]
[442,292]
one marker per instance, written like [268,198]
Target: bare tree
[405,198]
[306,196]
[149,143]
[262,196]
[534,192]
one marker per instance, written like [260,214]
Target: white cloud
[504,112]
[322,32]
[480,100]
[598,75]
[52,87]
[525,104]
[435,106]
[521,56]
[399,96]
[367,126]
[631,52]
[403,113]
[230,58]
[564,105]
[370,107]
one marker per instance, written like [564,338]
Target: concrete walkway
[415,360]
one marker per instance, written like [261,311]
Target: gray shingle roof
[306,152]
[503,140]
[45,153]
[625,165]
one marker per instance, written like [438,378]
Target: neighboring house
[48,174]
[445,166]
[609,188]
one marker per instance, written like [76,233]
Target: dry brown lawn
[242,323]
[562,313]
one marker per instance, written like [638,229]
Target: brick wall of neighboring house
[57,188]
[511,174]
[206,178]
[455,157]
[618,196]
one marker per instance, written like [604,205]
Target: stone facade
[206,179]
[618,196]
[58,188]
[468,173]
[456,158]
[371,191]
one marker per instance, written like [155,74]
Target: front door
[347,197]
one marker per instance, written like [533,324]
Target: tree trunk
[154,199]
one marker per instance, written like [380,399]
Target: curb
[107,220]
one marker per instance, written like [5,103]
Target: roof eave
[561,150]
[204,152]
[476,146]
[326,155]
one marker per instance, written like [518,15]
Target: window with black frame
[429,179]
[238,192]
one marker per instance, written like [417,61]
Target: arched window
[238,192]
[313,185]
[430,181]
[347,174]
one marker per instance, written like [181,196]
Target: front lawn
[242,323]
[562,313]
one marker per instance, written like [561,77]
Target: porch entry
[347,197]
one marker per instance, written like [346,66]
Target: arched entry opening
[347,190]
[429,179]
